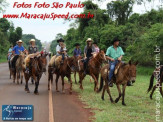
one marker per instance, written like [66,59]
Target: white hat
[20,41]
[89,40]
[32,40]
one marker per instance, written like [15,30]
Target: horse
[37,66]
[16,67]
[94,66]
[158,74]
[64,70]
[9,65]
[20,67]
[123,74]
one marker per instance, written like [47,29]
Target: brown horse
[158,74]
[94,66]
[64,70]
[37,66]
[17,66]
[20,67]
[125,73]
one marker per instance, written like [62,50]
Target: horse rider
[96,47]
[77,50]
[61,49]
[32,49]
[9,53]
[114,53]
[15,52]
[89,50]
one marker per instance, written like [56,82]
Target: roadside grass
[3,60]
[139,106]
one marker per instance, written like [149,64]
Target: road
[63,107]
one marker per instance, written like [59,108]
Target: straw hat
[20,41]
[32,40]
[89,40]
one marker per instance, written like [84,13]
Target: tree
[120,10]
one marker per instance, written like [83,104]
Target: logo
[17,112]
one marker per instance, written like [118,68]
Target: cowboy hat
[89,40]
[76,44]
[32,40]
[115,40]
[20,41]
[60,40]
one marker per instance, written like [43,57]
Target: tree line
[139,33]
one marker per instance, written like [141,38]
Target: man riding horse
[16,52]
[89,50]
[114,54]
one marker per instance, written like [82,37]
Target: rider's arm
[85,50]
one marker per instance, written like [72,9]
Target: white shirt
[58,49]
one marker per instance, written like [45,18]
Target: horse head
[43,62]
[72,63]
[132,71]
[101,55]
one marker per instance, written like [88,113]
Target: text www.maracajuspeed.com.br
[52,16]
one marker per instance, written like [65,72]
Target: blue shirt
[114,53]
[77,52]
[17,48]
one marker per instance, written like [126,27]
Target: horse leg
[81,77]
[18,76]
[161,92]
[63,91]
[69,78]
[56,80]
[26,83]
[108,91]
[103,92]
[21,77]
[36,85]
[123,95]
[119,90]
[152,92]
[95,82]
[75,77]
[14,76]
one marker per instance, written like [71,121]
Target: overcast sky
[46,30]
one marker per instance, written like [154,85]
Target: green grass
[3,60]
[139,107]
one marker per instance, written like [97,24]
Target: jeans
[112,68]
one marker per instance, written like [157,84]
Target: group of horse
[37,66]
[97,67]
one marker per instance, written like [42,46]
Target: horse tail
[101,84]
[151,83]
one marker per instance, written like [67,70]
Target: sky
[46,30]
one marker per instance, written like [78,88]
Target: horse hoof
[151,97]
[21,82]
[123,104]
[116,100]
[70,92]
[63,92]
[28,91]
[81,87]
[36,93]
[102,98]
[57,90]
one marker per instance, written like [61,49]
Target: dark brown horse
[94,67]
[64,71]
[37,66]
[157,74]
[125,73]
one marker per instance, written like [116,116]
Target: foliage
[139,33]
[27,37]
